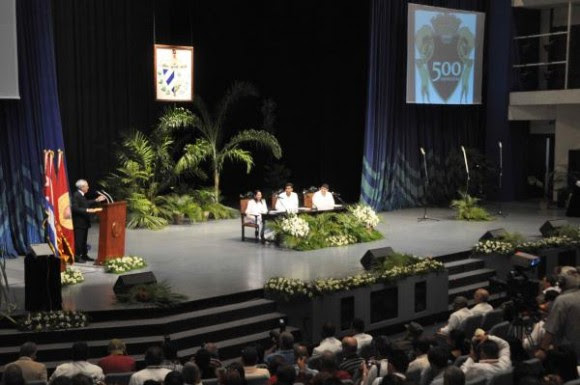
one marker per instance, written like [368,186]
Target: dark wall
[310,57]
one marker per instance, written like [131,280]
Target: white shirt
[256,208]
[419,363]
[71,369]
[155,373]
[456,320]
[323,202]
[331,344]
[491,367]
[362,340]
[481,308]
[287,203]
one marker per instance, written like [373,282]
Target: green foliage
[157,294]
[174,204]
[397,260]
[512,238]
[572,232]
[468,210]
[143,213]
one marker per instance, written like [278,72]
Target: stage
[205,260]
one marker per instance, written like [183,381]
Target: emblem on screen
[444,57]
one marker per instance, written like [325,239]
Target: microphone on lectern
[422,150]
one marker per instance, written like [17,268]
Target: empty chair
[471,323]
[492,318]
[118,378]
[500,330]
[245,223]
[505,378]
[460,360]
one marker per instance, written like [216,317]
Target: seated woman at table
[256,207]
[323,199]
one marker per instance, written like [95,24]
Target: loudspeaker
[125,282]
[374,257]
[493,234]
[549,227]
[42,286]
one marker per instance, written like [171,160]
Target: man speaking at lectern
[81,210]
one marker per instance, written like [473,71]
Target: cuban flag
[49,222]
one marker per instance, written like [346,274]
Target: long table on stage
[273,215]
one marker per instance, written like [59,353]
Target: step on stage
[206,260]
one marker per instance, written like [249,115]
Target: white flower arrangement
[295,226]
[71,277]
[290,288]
[491,246]
[500,247]
[124,264]
[53,320]
[341,240]
[365,215]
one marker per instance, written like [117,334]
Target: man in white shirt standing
[481,297]
[323,199]
[460,313]
[288,200]
[492,356]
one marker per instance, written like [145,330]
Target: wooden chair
[243,206]
[273,200]
[308,200]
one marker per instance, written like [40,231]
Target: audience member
[414,331]
[31,370]
[329,341]
[286,374]
[250,360]
[329,365]
[453,376]
[421,362]
[273,366]
[303,373]
[79,365]
[363,339]
[489,357]
[398,364]
[238,368]
[460,313]
[191,374]
[458,344]
[562,362]
[286,349]
[153,370]
[117,361]
[214,353]
[351,360]
[13,375]
[481,296]
[170,359]
[173,378]
[203,360]
[438,362]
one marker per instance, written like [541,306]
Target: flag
[64,223]
[49,222]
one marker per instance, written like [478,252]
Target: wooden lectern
[113,219]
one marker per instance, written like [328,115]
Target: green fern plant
[174,204]
[468,210]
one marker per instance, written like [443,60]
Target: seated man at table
[323,199]
[288,200]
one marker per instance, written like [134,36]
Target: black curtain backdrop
[310,57]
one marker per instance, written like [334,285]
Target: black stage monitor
[42,286]
[493,234]
[126,282]
[374,257]
[550,227]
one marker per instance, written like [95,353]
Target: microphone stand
[466,170]
[499,180]
[425,190]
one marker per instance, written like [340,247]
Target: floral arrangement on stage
[53,320]
[292,288]
[510,244]
[327,229]
[124,264]
[71,277]
[158,294]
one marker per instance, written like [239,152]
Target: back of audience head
[459,303]
[28,349]
[488,350]
[212,348]
[13,375]
[358,325]
[562,361]
[349,345]
[275,363]
[153,356]
[453,376]
[81,379]
[382,346]
[328,330]
[80,351]
[327,362]
[232,376]
[173,378]
[61,380]
[421,346]
[481,295]
[191,373]
[116,346]
[286,341]
[249,356]
[438,357]
[399,360]
[286,374]
[300,351]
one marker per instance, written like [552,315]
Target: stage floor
[205,260]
